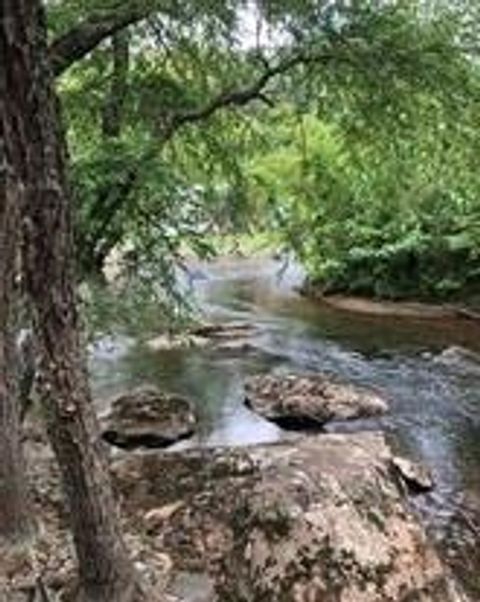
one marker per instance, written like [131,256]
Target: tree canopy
[167,104]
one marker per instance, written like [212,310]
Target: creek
[434,399]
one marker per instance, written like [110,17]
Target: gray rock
[215,336]
[459,357]
[320,518]
[167,342]
[147,417]
[225,331]
[415,475]
[193,587]
[309,401]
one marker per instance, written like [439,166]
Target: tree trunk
[13,506]
[112,116]
[106,572]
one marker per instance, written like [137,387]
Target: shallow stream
[434,399]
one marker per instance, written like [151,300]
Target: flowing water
[434,399]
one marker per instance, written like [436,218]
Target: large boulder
[147,417]
[309,401]
[321,518]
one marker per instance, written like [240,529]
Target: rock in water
[459,357]
[147,417]
[216,336]
[415,475]
[321,518]
[309,401]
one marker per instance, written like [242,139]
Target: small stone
[416,476]
[163,562]
[157,516]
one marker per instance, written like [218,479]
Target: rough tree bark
[13,505]
[83,38]
[106,572]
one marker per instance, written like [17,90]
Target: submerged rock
[321,518]
[309,401]
[147,417]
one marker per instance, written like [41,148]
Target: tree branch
[113,109]
[84,37]
[241,96]
[109,207]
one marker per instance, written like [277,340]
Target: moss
[376,517]
[273,521]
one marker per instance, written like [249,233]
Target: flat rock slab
[147,417]
[321,518]
[166,342]
[310,401]
[225,330]
[216,336]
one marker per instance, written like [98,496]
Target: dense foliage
[348,126]
[397,217]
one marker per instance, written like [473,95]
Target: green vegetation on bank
[390,217]
[255,243]
[349,136]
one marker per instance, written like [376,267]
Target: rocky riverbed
[426,369]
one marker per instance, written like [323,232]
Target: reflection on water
[435,406]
